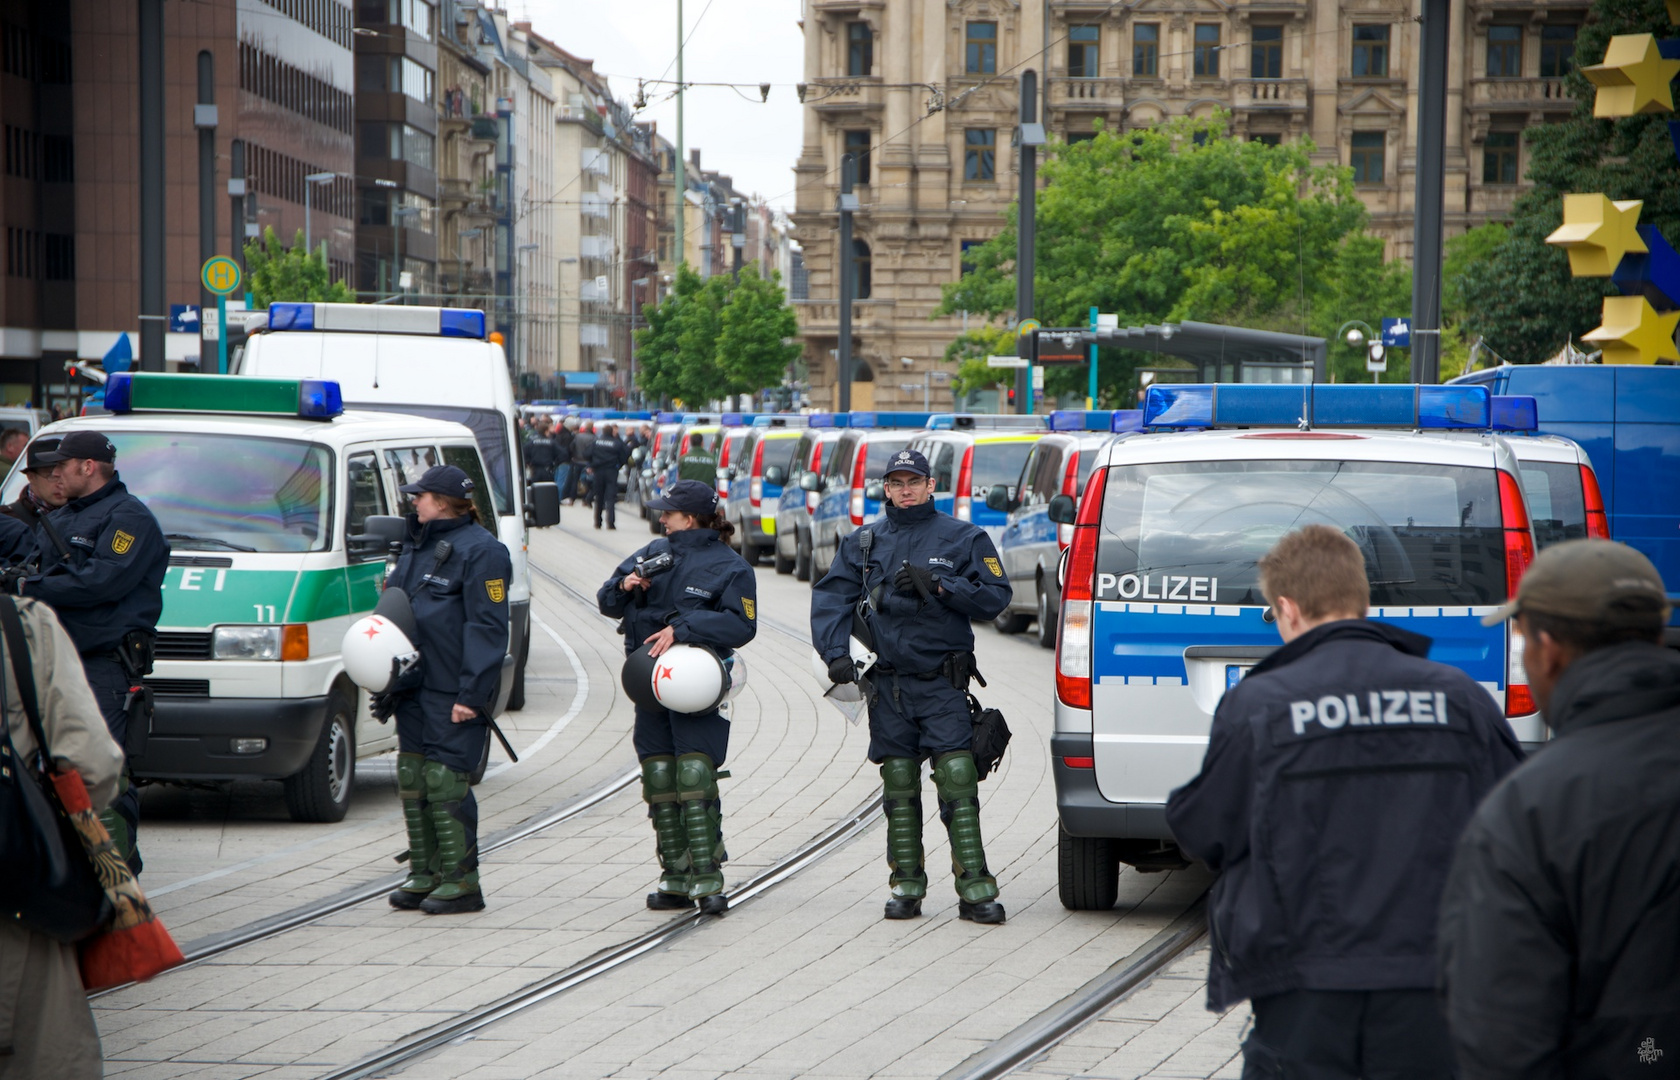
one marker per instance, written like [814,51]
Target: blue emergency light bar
[781,420]
[990,421]
[829,420]
[1126,420]
[1400,405]
[890,420]
[376,319]
[307,399]
[1512,412]
[668,417]
[739,419]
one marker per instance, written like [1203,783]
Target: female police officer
[456,575]
[706,596]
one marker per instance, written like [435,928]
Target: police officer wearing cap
[102,557]
[456,575]
[687,588]
[42,494]
[918,578]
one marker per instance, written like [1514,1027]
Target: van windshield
[1194,531]
[1557,508]
[489,427]
[241,494]
[780,452]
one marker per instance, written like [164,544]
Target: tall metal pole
[848,282]
[1026,223]
[236,191]
[204,119]
[681,185]
[154,315]
[1428,228]
[308,213]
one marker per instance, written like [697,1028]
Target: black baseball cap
[37,450]
[442,480]
[76,446]
[691,497]
[909,461]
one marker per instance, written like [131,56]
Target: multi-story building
[468,130]
[934,182]
[396,148]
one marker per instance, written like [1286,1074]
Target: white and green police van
[265,489]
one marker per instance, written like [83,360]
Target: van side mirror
[775,474]
[874,489]
[379,532]
[1063,510]
[997,498]
[542,505]
[810,481]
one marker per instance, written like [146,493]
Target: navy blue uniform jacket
[1339,775]
[461,604]
[911,635]
[710,595]
[112,583]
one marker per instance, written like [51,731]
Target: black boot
[904,907]
[664,901]
[986,911]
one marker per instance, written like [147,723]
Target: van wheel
[1011,622]
[483,759]
[516,695]
[783,565]
[1087,871]
[1046,620]
[801,556]
[321,789]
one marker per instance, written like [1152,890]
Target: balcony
[1524,95]
[1068,93]
[1271,95]
[847,95]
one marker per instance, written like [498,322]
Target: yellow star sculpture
[1597,233]
[1633,79]
[1633,332]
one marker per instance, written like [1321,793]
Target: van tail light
[1073,642]
[1070,488]
[1519,553]
[816,467]
[1598,523]
[755,489]
[857,483]
[963,508]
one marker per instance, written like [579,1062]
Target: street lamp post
[309,182]
[522,353]
[397,214]
[1360,334]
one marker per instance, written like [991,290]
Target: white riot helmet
[683,678]
[847,697]
[378,649]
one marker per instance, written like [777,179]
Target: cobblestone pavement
[807,980]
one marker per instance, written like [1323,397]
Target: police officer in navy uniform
[42,494]
[106,585]
[707,596]
[1339,775]
[921,579]
[456,575]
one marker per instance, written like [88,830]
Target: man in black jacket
[606,456]
[1560,925]
[1339,774]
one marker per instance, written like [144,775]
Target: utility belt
[957,668]
[134,654]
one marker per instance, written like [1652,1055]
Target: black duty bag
[991,736]
[49,885]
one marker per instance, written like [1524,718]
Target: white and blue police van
[849,489]
[1161,608]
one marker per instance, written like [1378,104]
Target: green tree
[274,272]
[713,336]
[758,335]
[1521,297]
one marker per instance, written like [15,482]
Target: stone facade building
[925,92]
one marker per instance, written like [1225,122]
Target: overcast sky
[739,41]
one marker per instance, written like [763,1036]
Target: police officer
[21,531]
[1338,777]
[918,577]
[583,446]
[456,576]
[541,457]
[706,597]
[606,457]
[102,559]
[697,462]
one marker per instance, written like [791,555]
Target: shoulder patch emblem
[747,607]
[992,565]
[497,588]
[121,542]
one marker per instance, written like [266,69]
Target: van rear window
[489,427]
[780,452]
[1192,532]
[1557,508]
[998,463]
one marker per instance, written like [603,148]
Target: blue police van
[1161,608]
[849,488]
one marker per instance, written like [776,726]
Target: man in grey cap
[1560,923]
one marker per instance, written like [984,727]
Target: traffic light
[1011,397]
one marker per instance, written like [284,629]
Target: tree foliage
[1520,296]
[1181,221]
[716,336]
[274,272]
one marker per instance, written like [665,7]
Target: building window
[1266,53]
[1267,138]
[1370,52]
[979,154]
[860,49]
[860,270]
[1080,136]
[1082,51]
[1504,52]
[963,265]
[1206,60]
[857,144]
[1557,50]
[1499,158]
[1367,157]
[982,48]
[1146,49]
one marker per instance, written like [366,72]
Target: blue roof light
[1126,420]
[1202,405]
[1512,412]
[1179,406]
[319,399]
[118,388]
[291,316]
[461,322]
[669,417]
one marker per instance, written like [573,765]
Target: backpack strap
[17,647]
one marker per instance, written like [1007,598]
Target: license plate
[1234,674]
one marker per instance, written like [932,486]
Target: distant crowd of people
[583,459]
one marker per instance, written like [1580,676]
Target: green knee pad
[445,788]
[702,817]
[901,791]
[659,791]
[957,780]
[422,839]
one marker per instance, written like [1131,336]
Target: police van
[849,491]
[794,508]
[422,361]
[755,480]
[1161,607]
[264,488]
[969,457]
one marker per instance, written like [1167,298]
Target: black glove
[11,580]
[842,670]
[382,705]
[915,579]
